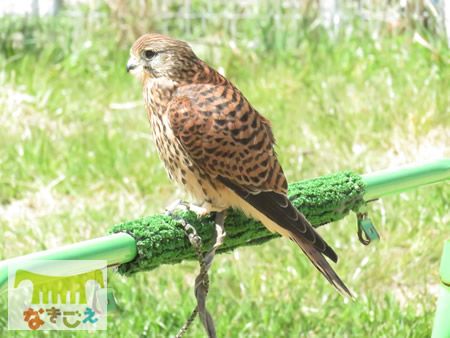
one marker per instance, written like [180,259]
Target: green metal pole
[394,181]
[441,327]
[115,249]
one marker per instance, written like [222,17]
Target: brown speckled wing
[226,137]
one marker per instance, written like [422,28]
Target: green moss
[161,239]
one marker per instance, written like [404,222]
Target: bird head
[155,56]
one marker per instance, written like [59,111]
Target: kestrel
[216,146]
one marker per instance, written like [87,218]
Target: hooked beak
[132,63]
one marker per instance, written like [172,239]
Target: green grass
[76,157]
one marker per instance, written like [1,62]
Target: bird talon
[177,205]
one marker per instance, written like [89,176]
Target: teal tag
[365,226]
[369,229]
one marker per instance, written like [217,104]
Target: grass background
[76,157]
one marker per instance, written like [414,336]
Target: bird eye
[149,54]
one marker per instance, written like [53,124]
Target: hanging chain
[202,280]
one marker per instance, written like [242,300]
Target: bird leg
[202,280]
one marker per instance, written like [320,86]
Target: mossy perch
[161,240]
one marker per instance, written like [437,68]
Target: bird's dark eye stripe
[149,54]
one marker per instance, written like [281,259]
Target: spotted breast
[177,163]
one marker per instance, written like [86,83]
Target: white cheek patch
[139,73]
